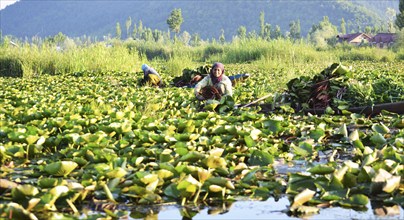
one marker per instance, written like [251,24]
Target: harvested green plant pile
[339,87]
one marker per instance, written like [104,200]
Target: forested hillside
[209,19]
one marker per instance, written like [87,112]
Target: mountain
[98,18]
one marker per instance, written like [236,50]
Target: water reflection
[247,209]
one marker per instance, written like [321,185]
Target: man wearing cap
[215,85]
[150,76]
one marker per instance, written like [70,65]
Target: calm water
[274,210]
[269,209]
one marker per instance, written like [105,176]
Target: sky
[4,3]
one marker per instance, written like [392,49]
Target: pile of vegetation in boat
[190,77]
[339,88]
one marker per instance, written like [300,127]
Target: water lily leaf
[117,173]
[392,184]
[304,149]
[192,157]
[166,156]
[366,174]
[262,193]
[317,134]
[61,168]
[260,158]
[150,198]
[298,182]
[80,161]
[370,158]
[255,134]
[274,126]
[182,137]
[384,181]
[211,105]
[220,181]
[216,152]
[158,138]
[303,197]
[321,169]
[151,187]
[149,178]
[218,129]
[48,182]
[20,192]
[203,175]
[91,138]
[343,130]
[18,211]
[249,141]
[164,174]
[74,138]
[355,201]
[188,186]
[32,203]
[169,167]
[172,191]
[215,188]
[378,139]
[354,135]
[380,128]
[215,161]
[334,195]
[231,129]
[182,150]
[31,139]
[358,144]
[57,191]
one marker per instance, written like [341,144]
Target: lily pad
[61,168]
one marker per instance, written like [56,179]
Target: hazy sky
[4,3]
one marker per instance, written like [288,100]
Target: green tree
[185,37]
[400,16]
[267,32]
[222,39]
[323,34]
[118,31]
[294,28]
[262,24]
[158,35]
[134,32]
[147,34]
[391,13]
[343,28]
[140,29]
[128,24]
[195,39]
[242,32]
[276,33]
[175,20]
[399,43]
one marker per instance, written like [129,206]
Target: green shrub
[10,67]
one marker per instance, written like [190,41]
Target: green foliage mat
[70,139]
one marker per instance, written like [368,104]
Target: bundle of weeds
[337,87]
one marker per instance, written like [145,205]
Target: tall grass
[171,58]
